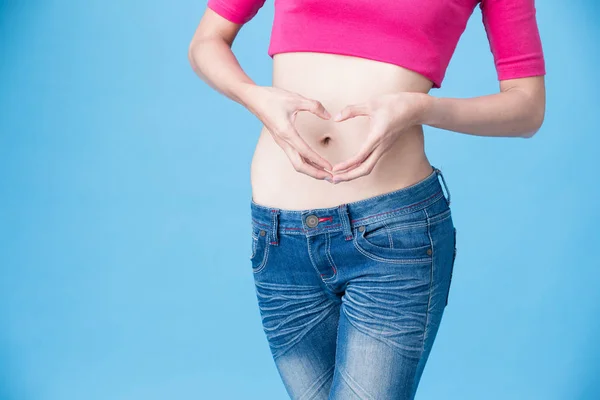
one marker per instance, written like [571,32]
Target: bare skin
[307,158]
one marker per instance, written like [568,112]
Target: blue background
[124,215]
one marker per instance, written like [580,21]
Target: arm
[210,53]
[518,110]
[212,59]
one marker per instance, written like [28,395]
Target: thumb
[351,111]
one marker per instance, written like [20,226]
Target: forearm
[510,113]
[214,62]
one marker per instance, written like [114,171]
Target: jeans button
[312,221]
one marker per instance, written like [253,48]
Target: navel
[325,140]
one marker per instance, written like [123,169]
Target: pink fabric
[418,35]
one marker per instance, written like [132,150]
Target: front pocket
[254,243]
[395,240]
[260,248]
[398,233]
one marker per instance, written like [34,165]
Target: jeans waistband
[346,216]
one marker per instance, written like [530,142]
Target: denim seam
[312,261]
[328,253]
[345,220]
[389,234]
[350,381]
[399,211]
[375,257]
[441,217]
[433,220]
[451,269]
[260,223]
[317,384]
[418,206]
[274,228]
[323,229]
[439,173]
[254,243]
[389,260]
[263,262]
[430,286]
[415,248]
[436,219]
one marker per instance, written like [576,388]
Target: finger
[303,166]
[364,169]
[352,111]
[307,152]
[357,159]
[319,167]
[315,107]
[291,136]
[308,168]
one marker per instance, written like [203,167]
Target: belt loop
[439,173]
[274,226]
[345,220]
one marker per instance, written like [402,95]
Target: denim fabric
[351,297]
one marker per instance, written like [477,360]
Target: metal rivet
[262,233]
[312,221]
[361,228]
[428,252]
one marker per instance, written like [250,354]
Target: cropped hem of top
[418,35]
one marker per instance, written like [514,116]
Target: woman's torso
[337,81]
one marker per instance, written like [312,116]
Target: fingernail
[327,114]
[328,179]
[337,117]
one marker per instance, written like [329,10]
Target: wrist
[246,93]
[425,109]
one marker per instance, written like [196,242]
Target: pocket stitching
[441,217]
[254,244]
[375,257]
[265,253]
[388,232]
[332,264]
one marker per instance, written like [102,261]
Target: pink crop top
[420,35]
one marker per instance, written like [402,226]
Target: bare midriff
[337,81]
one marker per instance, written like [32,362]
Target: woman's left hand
[390,115]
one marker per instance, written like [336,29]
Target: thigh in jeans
[351,297]
[299,318]
[393,303]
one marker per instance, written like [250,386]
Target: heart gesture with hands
[277,109]
[390,114]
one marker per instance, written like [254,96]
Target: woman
[353,242]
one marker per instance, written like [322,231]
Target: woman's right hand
[277,108]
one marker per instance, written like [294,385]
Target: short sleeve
[237,11]
[514,37]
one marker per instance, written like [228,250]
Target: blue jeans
[351,297]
